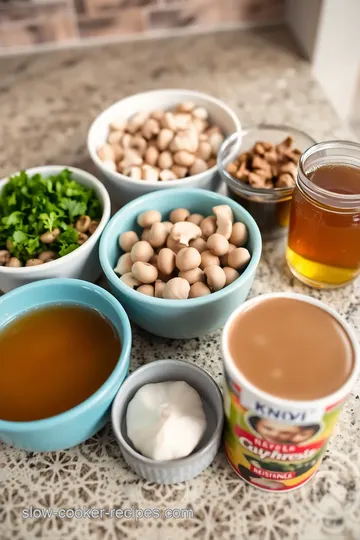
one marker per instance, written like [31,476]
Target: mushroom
[187,259]
[82,238]
[218,244]
[158,234]
[184,231]
[199,289]
[239,234]
[231,274]
[83,224]
[127,240]
[34,262]
[199,244]
[166,261]
[179,214]
[224,220]
[238,258]
[215,277]
[47,237]
[130,280]
[13,262]
[124,264]
[176,289]
[195,218]
[192,276]
[208,258]
[208,226]
[4,257]
[144,272]
[159,288]
[46,256]
[146,289]
[173,244]
[148,218]
[93,226]
[142,251]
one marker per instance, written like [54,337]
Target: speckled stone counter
[46,105]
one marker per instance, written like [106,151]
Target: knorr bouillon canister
[289,363]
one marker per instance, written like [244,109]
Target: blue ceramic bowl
[181,319]
[78,424]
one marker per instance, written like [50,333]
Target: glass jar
[324,236]
[269,207]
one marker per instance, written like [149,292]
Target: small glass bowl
[269,207]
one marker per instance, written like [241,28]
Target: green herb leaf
[32,205]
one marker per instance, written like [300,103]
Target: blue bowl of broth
[27,418]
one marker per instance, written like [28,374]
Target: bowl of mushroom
[180,262]
[160,139]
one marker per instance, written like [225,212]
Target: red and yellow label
[276,449]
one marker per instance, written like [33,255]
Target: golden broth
[52,359]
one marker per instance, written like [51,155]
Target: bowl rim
[122,364]
[173,91]
[247,188]
[106,209]
[164,302]
[166,362]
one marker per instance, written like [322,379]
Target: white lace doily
[94,474]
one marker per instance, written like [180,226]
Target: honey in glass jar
[324,235]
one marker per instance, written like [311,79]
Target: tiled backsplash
[28,23]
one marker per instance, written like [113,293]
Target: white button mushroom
[231,274]
[215,277]
[173,244]
[130,280]
[179,214]
[142,251]
[224,258]
[148,218]
[239,234]
[187,259]
[199,244]
[184,231]
[158,234]
[218,244]
[146,289]
[124,264]
[208,258]
[159,288]
[145,235]
[208,226]
[193,276]
[199,289]
[144,272]
[224,220]
[238,258]
[176,289]
[166,261]
[168,226]
[127,240]
[195,218]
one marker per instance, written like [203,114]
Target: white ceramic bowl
[124,189]
[83,263]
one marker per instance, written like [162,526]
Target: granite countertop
[47,102]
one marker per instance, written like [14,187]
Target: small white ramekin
[176,470]
[83,263]
[124,189]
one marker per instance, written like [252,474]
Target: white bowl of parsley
[51,219]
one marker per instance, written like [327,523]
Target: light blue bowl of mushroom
[187,260]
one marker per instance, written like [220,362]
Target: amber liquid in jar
[324,242]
